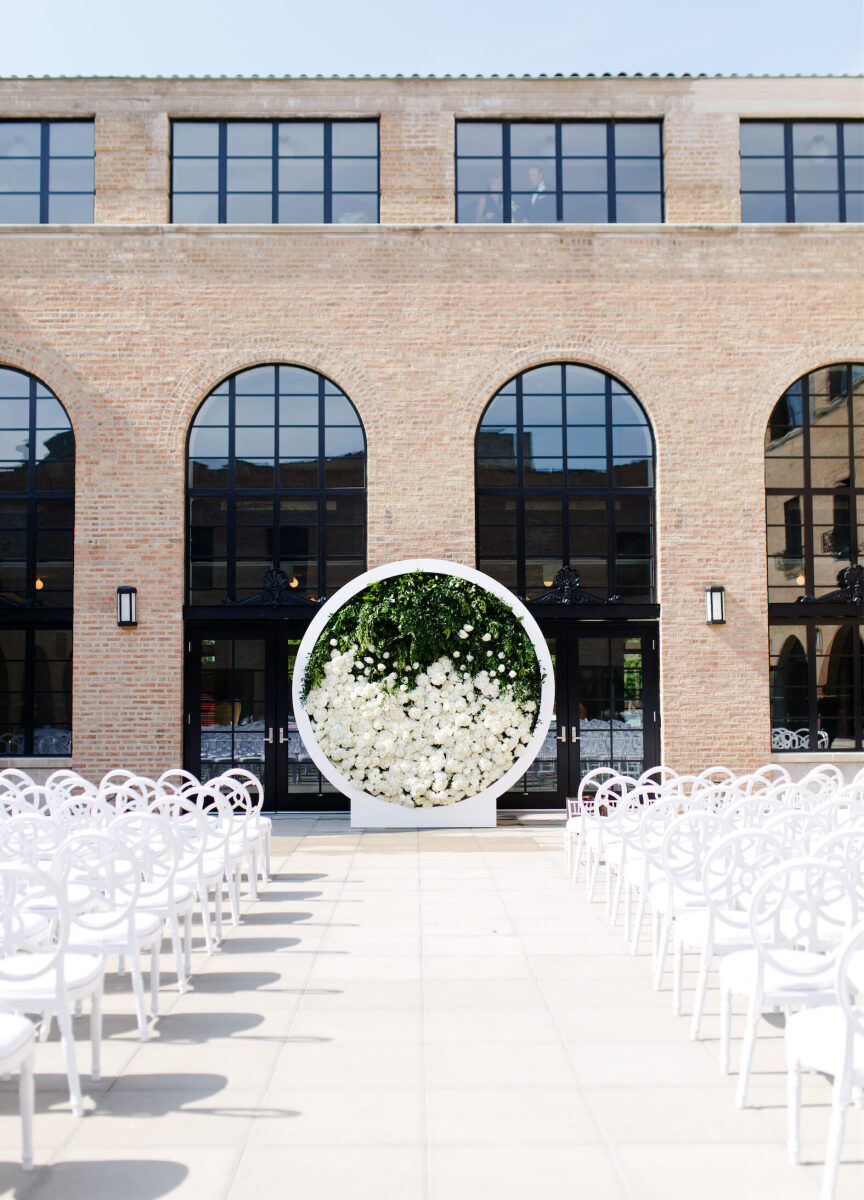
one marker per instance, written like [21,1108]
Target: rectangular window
[576,172]
[46,172]
[799,171]
[274,172]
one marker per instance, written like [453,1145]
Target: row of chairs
[93,872]
[765,874]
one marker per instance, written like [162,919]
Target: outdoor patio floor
[436,1015]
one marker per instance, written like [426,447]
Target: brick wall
[420,321]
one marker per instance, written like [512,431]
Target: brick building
[406,251]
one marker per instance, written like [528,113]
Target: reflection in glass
[251,510]
[560,521]
[534,172]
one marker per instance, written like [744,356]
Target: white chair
[830,1040]
[201,822]
[578,832]
[685,846]
[733,868]
[16,1054]
[154,846]
[52,981]
[798,916]
[108,922]
[259,829]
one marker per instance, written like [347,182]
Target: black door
[606,710]
[239,713]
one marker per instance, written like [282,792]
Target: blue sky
[284,37]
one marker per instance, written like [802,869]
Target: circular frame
[432,566]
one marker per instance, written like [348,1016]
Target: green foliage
[407,622]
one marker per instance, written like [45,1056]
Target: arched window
[814,476]
[565,477]
[276,483]
[37,494]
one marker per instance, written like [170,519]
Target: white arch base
[369,812]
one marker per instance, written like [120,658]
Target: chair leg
[834,1147]
[662,947]
[26,1103]
[725,1029]
[177,948]
[678,977]
[204,896]
[138,989]
[154,976]
[793,1111]
[45,1027]
[96,1035]
[67,1040]
[252,871]
[754,1012]
[701,989]
[640,920]
[267,859]
[218,902]
[187,943]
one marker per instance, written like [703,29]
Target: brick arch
[210,369]
[770,386]
[49,368]
[623,365]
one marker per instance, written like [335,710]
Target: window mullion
[789,172]
[274,177]
[44,176]
[222,203]
[612,204]
[506,174]
[559,178]
[841,173]
[328,172]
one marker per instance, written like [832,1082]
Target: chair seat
[816,1037]
[103,929]
[658,898]
[183,893]
[78,971]
[738,974]
[16,1034]
[693,927]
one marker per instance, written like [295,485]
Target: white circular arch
[372,812]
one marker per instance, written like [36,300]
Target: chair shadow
[267,896]
[192,1029]
[256,945]
[276,918]
[294,877]
[232,981]
[134,1179]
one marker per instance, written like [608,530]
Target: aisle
[435,1016]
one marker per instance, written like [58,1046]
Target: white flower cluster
[448,736]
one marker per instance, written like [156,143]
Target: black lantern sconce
[715,605]
[127,606]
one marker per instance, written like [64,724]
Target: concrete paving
[419,1016]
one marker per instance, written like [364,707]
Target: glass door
[239,713]
[606,711]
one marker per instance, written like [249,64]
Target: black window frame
[27,613]
[788,158]
[222,157]
[609,492]
[46,192]
[611,157]
[811,612]
[229,605]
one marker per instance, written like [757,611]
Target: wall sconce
[715,605]
[127,606]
